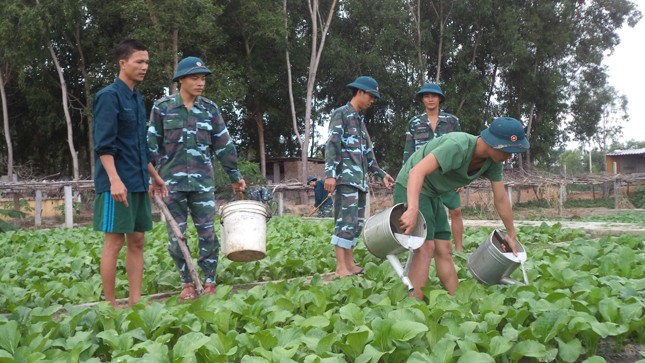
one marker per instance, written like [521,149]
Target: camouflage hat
[190,65]
[367,84]
[506,134]
[431,88]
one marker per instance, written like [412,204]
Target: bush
[638,198]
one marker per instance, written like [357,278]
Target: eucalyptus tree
[8,31]
[50,40]
[317,43]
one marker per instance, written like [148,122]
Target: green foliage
[543,66]
[579,296]
[10,213]
[638,198]
[249,170]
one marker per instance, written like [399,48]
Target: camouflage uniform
[182,144]
[348,158]
[419,133]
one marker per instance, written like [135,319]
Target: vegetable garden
[586,299]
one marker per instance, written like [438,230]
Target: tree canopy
[537,61]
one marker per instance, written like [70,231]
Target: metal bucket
[490,265]
[380,229]
[244,230]
[384,239]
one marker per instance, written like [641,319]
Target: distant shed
[627,161]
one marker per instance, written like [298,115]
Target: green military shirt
[348,152]
[419,131]
[183,142]
[454,152]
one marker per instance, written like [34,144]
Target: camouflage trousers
[201,206]
[324,211]
[349,212]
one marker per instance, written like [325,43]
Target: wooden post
[616,186]
[561,200]
[16,196]
[69,207]
[467,197]
[280,203]
[38,208]
[509,190]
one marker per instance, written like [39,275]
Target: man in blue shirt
[122,208]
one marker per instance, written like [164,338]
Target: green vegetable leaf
[499,345]
[187,345]
[9,336]
[472,356]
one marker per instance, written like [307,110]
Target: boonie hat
[310,179]
[506,134]
[190,65]
[431,88]
[367,84]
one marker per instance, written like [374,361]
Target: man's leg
[134,265]
[177,203]
[346,202]
[111,246]
[457,227]
[420,268]
[202,211]
[445,266]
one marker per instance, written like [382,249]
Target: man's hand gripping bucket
[384,239]
[490,264]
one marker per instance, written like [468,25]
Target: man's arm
[117,189]
[415,182]
[505,212]
[333,152]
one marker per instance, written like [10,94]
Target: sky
[627,75]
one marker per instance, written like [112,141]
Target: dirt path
[595,229]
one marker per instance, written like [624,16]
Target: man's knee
[455,213]
[135,241]
[443,249]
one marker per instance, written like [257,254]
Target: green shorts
[113,217]
[452,200]
[432,210]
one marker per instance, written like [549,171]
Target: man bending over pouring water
[442,165]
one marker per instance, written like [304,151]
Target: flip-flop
[360,272]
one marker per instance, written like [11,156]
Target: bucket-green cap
[190,65]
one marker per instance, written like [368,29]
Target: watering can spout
[509,281]
[396,264]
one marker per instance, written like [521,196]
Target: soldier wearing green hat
[433,123]
[442,165]
[348,159]
[186,132]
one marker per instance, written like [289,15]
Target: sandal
[187,292]
[210,288]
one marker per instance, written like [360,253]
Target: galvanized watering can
[384,239]
[491,265]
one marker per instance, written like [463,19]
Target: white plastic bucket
[490,265]
[380,229]
[244,230]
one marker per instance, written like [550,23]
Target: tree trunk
[5,118]
[258,122]
[68,118]
[88,97]
[314,60]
